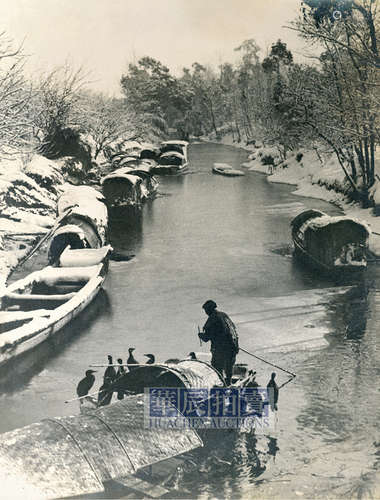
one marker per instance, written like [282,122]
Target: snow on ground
[28,195]
[315,177]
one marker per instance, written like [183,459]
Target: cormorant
[272,392]
[84,386]
[151,359]
[110,370]
[192,355]
[120,369]
[172,361]
[120,373]
[105,395]
[131,359]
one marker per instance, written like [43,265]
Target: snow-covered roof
[121,174]
[180,143]
[172,153]
[131,145]
[326,220]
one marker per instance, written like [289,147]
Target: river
[228,239]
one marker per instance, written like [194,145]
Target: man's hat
[209,304]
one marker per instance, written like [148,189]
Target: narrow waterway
[207,236]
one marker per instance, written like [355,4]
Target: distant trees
[334,101]
[150,89]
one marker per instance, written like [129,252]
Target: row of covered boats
[133,179]
[36,307]
[112,446]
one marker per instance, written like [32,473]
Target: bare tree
[107,120]
[56,105]
[15,95]
[347,87]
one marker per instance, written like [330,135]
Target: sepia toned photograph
[189,249]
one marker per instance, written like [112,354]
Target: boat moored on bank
[330,243]
[173,158]
[36,307]
[130,185]
[83,221]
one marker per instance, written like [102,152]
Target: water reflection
[17,373]
[336,379]
[126,229]
[225,462]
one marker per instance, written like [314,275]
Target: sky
[104,36]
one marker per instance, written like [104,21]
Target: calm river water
[207,236]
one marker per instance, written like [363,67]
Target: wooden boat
[330,243]
[174,145]
[129,186]
[149,152]
[121,188]
[107,451]
[173,158]
[84,221]
[227,170]
[35,308]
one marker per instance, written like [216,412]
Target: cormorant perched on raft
[192,355]
[131,360]
[110,370]
[119,374]
[272,392]
[84,386]
[151,359]
[105,395]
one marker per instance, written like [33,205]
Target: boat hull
[227,173]
[41,329]
[170,169]
[312,261]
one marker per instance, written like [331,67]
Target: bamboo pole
[130,365]
[41,241]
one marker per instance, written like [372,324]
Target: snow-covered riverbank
[315,175]
[28,195]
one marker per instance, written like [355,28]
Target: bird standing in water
[110,370]
[84,386]
[151,359]
[272,392]
[131,359]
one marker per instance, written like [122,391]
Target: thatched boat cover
[77,195]
[122,174]
[87,204]
[171,142]
[189,374]
[69,456]
[303,217]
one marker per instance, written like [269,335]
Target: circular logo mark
[337,15]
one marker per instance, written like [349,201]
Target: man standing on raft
[221,331]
